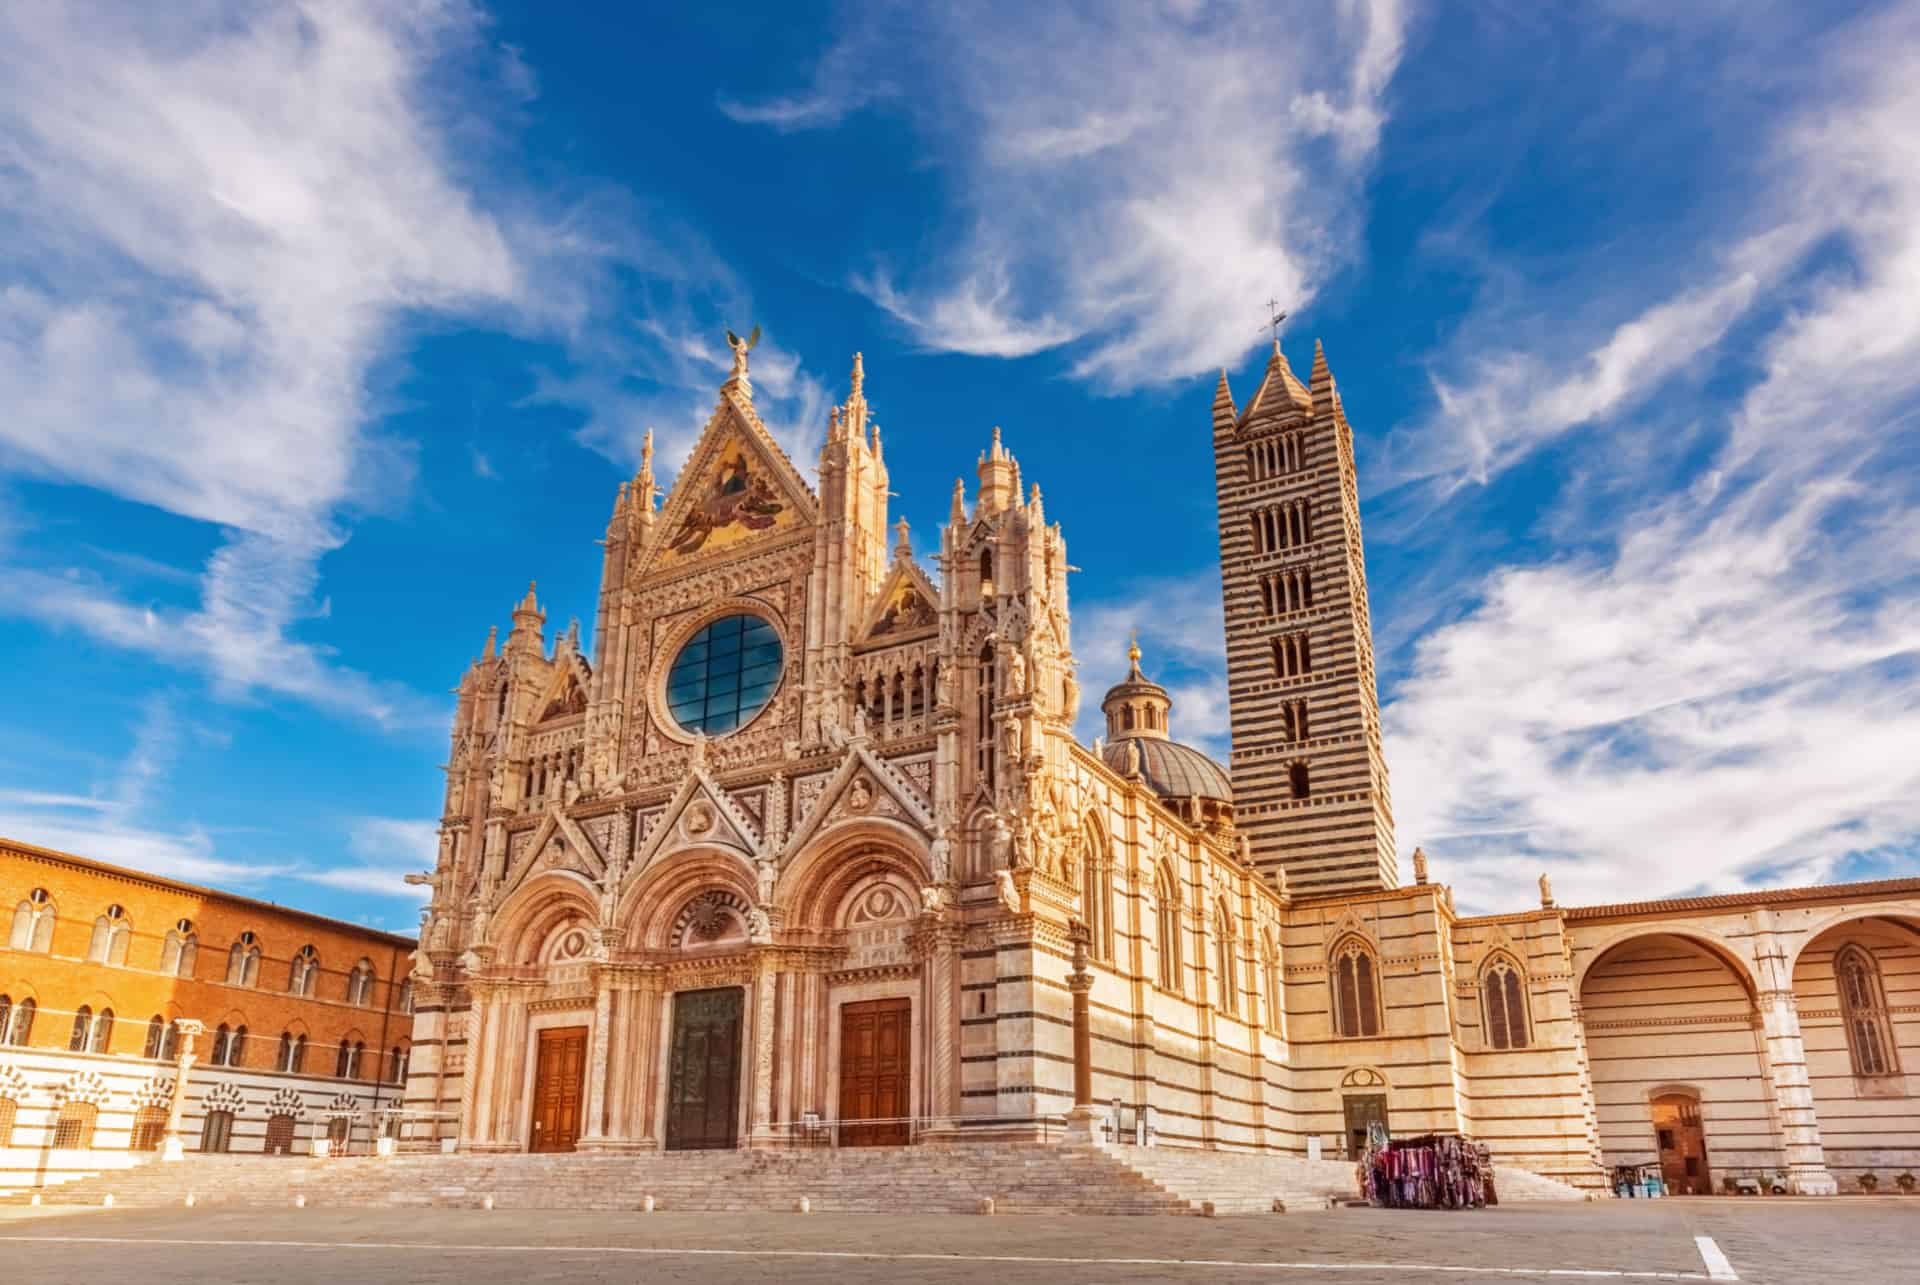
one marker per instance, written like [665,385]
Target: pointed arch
[33,921]
[1863,1011]
[1225,962]
[1096,888]
[1353,980]
[1274,983]
[1504,1011]
[1166,902]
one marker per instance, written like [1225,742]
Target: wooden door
[876,1072]
[1682,1139]
[1363,1111]
[559,1075]
[703,1070]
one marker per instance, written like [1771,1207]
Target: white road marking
[882,1256]
[1718,1268]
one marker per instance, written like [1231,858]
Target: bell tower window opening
[1297,781]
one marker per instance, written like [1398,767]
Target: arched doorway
[1677,1056]
[1682,1141]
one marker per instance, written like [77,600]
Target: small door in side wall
[1363,1111]
[1682,1139]
[559,1075]
[876,1072]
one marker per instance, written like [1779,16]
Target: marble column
[171,1148]
[760,1132]
[1800,1145]
[1080,983]
[597,1062]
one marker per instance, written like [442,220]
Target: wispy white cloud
[1726,689]
[1140,199]
[215,218]
[385,851]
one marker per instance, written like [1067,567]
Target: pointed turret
[902,549]
[1320,382]
[528,621]
[957,515]
[492,648]
[998,478]
[1224,412]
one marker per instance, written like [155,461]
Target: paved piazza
[1770,1241]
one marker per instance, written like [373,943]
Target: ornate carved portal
[703,1070]
[876,1072]
[559,1075]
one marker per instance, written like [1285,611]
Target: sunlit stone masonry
[802,850]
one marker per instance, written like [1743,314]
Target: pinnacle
[1223,399]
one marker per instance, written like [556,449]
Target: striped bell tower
[1309,779]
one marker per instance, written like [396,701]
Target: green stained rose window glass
[724,675]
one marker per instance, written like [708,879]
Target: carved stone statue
[766,874]
[1546,891]
[941,855]
[741,347]
[1070,698]
[1010,739]
[759,926]
[859,723]
[1133,756]
[943,687]
[1016,671]
[1009,891]
[934,898]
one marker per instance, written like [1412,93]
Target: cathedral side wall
[1868,1124]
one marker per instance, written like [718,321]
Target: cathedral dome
[1138,711]
[1173,770]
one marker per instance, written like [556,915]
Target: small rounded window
[724,675]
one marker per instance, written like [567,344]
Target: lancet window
[1503,993]
[1863,1008]
[1353,975]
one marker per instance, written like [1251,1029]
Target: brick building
[288,1025]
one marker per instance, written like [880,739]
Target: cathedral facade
[806,852]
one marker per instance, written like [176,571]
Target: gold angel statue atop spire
[741,347]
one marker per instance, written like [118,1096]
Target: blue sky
[325,328]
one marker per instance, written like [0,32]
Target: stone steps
[882,1180]
[1238,1182]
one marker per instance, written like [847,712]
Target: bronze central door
[1683,1145]
[703,1070]
[559,1073]
[876,1072]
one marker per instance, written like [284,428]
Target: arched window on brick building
[360,984]
[111,933]
[243,961]
[16,1021]
[304,973]
[33,923]
[1353,975]
[179,950]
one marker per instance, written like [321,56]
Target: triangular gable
[556,825]
[865,786]
[566,691]
[906,606]
[722,821]
[736,485]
